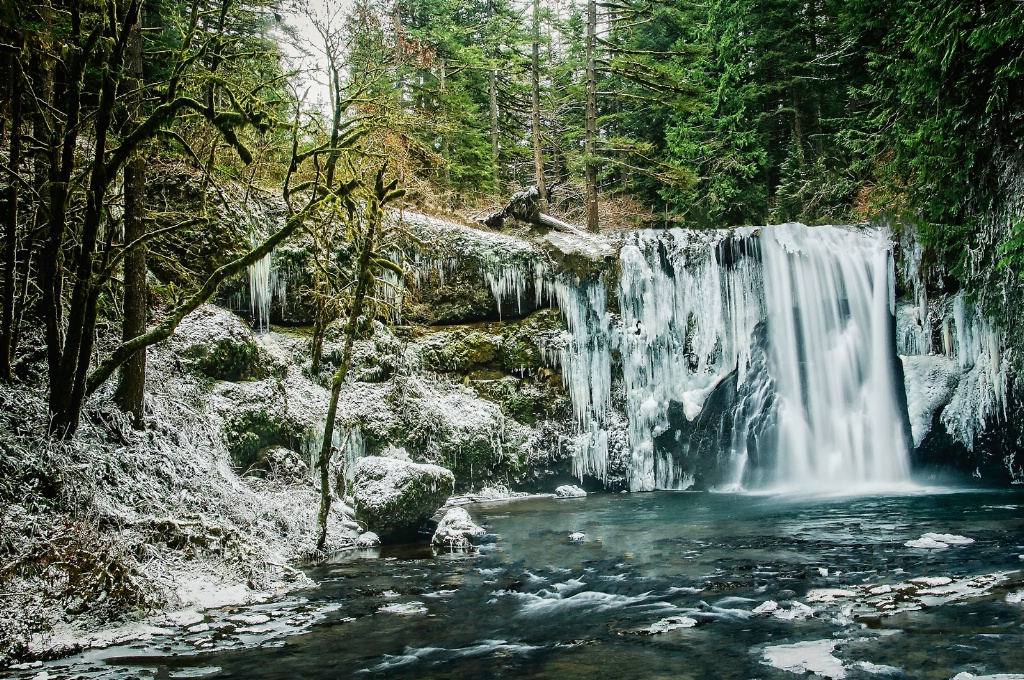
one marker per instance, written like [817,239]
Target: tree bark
[66,404]
[538,150]
[132,380]
[11,224]
[495,147]
[590,145]
[362,288]
[798,127]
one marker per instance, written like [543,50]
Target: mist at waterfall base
[663,584]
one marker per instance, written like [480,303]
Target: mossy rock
[247,433]
[228,360]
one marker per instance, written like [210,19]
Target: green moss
[247,433]
[229,360]
[517,400]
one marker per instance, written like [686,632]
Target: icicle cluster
[985,371]
[690,305]
[266,283]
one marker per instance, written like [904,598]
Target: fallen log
[526,206]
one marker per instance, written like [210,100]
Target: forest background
[626,113]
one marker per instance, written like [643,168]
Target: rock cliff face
[531,358]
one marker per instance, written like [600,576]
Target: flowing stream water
[750,359]
[665,584]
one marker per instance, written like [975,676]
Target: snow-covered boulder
[368,539]
[218,344]
[570,491]
[394,497]
[278,462]
[457,530]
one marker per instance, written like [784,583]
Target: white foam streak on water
[827,293]
[547,603]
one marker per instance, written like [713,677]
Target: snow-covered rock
[951,539]
[218,344]
[279,462]
[570,491]
[935,541]
[811,656]
[457,530]
[669,624]
[394,497]
[368,540]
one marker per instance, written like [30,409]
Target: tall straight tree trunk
[63,143]
[73,369]
[11,224]
[798,127]
[538,151]
[495,148]
[132,381]
[445,145]
[590,145]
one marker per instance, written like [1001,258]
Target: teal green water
[534,604]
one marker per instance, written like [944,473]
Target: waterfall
[830,304]
[749,357]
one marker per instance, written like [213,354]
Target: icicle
[260,292]
[982,392]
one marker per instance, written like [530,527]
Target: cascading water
[753,357]
[829,294]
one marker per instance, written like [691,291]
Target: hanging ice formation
[265,283]
[965,372]
[787,329]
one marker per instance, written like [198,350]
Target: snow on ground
[813,656]
[177,524]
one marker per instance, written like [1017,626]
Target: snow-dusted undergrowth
[118,523]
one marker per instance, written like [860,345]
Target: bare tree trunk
[63,144]
[319,327]
[66,404]
[11,224]
[590,145]
[362,288]
[798,127]
[445,145]
[538,151]
[132,381]
[493,89]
